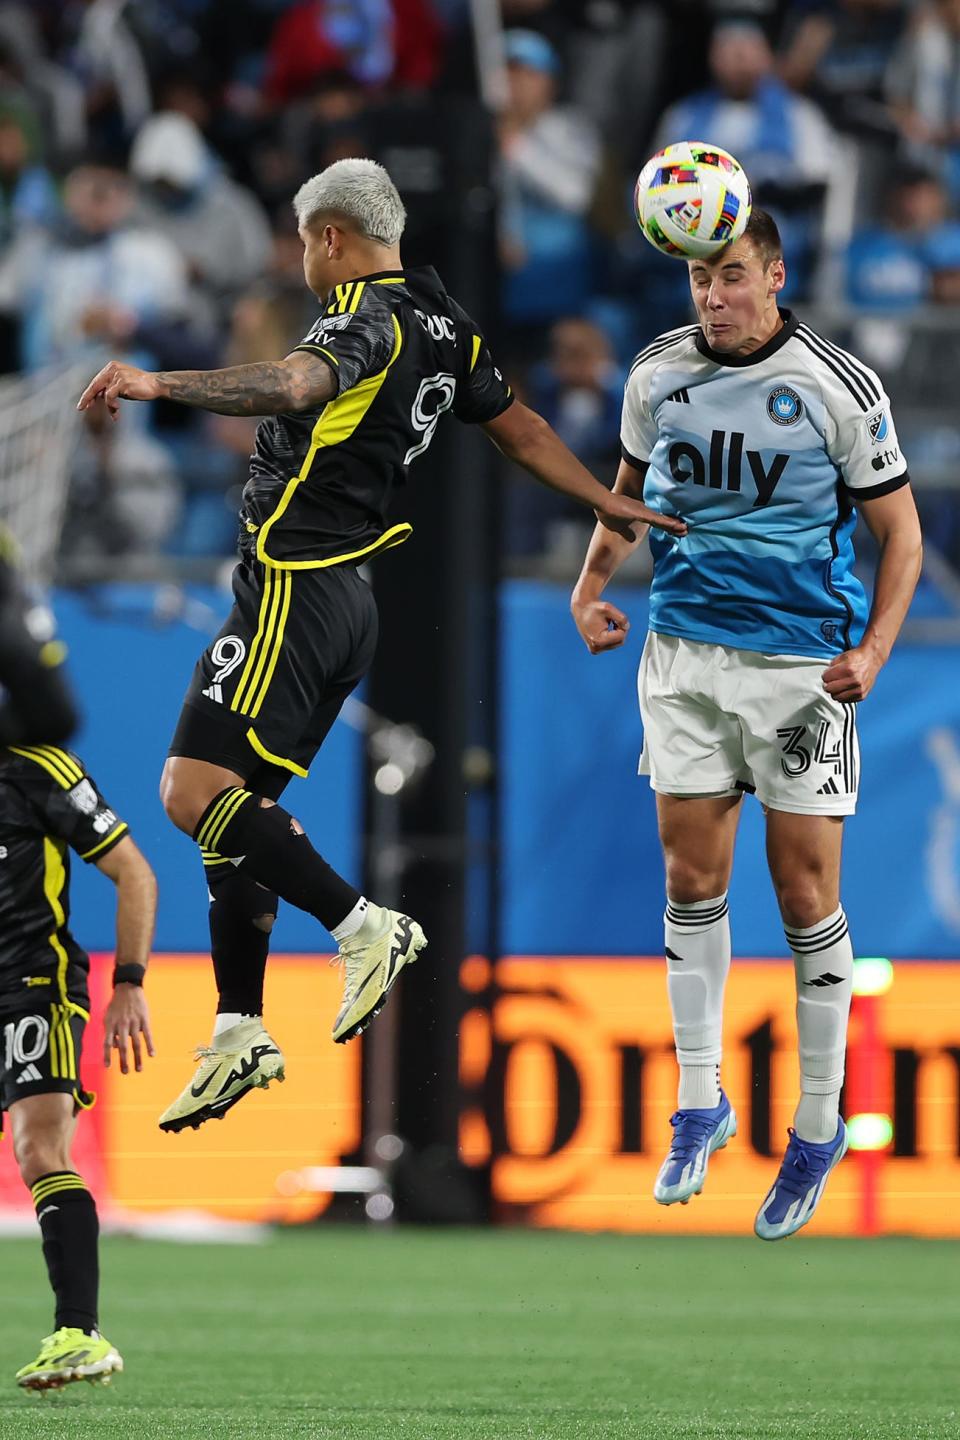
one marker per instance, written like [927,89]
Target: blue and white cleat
[796,1192]
[696,1134]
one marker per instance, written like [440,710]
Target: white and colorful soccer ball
[692,199]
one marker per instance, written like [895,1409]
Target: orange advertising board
[569,1080]
[244,1168]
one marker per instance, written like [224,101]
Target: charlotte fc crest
[784,406]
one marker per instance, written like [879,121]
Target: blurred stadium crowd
[149,150]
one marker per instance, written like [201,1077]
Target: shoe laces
[689,1132]
[351,972]
[803,1164]
[50,1342]
[206,1053]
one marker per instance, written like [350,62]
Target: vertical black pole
[436,662]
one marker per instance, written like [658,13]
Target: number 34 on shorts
[718,720]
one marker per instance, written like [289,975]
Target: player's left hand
[851,675]
[116,382]
[127,1021]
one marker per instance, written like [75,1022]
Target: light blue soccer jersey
[763,456]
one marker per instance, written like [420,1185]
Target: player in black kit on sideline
[349,411]
[48,805]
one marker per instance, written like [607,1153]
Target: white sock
[697,945]
[228,1019]
[351,923]
[823,962]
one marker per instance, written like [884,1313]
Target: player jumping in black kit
[349,411]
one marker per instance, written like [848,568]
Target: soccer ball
[692,199]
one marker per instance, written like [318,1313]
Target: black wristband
[131,974]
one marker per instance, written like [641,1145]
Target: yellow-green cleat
[69,1355]
[242,1059]
[373,959]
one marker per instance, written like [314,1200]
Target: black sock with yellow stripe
[276,852]
[68,1220]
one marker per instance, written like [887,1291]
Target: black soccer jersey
[48,804]
[403,353]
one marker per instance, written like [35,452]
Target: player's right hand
[621,513]
[602,626]
[126,1021]
[116,382]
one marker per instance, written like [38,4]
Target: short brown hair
[762,230]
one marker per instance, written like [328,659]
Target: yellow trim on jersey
[309,345]
[337,421]
[390,280]
[394,536]
[115,834]
[52,771]
[59,765]
[477,342]
[272,759]
[54,879]
[342,296]
[286,586]
[263,621]
[346,298]
[63,758]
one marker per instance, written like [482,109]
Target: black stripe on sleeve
[642,465]
[857,372]
[873,492]
[656,347]
[825,359]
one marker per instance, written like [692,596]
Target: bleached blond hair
[359,190]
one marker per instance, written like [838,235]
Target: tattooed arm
[300,382]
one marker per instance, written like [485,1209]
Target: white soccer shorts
[719,721]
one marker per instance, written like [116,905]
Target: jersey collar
[425,274]
[757,357]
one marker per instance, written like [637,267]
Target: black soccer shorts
[266,692]
[40,1050]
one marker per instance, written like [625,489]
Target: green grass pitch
[344,1332]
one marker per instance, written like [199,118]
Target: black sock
[68,1223]
[275,853]
[238,945]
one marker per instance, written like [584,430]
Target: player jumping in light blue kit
[766,439]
